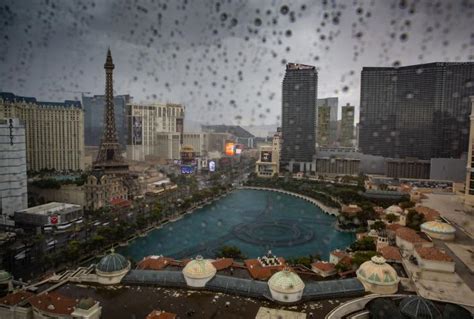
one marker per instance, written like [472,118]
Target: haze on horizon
[224,60]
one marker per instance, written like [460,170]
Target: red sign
[53,219]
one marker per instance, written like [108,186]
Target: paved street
[451,207]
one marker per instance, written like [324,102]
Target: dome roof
[377,271]
[112,262]
[286,281]
[438,227]
[4,275]
[199,268]
[394,209]
[418,307]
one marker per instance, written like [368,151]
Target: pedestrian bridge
[246,287]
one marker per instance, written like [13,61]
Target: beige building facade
[268,163]
[145,122]
[469,188]
[54,131]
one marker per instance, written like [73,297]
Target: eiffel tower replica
[109,159]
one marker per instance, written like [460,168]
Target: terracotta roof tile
[346,260]
[409,235]
[429,213]
[223,263]
[158,314]
[257,271]
[433,253]
[324,266]
[15,298]
[53,303]
[393,227]
[339,253]
[391,253]
[155,263]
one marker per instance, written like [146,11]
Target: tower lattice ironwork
[109,157]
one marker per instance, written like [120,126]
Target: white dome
[286,281]
[199,268]
[376,272]
[438,227]
[394,209]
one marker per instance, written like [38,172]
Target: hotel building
[54,131]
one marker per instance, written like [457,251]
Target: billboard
[136,130]
[266,156]
[54,219]
[212,166]
[230,149]
[187,169]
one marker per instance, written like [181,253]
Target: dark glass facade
[299,97]
[94,118]
[419,111]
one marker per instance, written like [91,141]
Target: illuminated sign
[136,130]
[266,156]
[187,169]
[212,166]
[54,219]
[229,149]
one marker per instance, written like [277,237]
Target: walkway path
[324,208]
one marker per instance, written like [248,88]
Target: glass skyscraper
[419,111]
[94,118]
[299,97]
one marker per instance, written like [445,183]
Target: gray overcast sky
[223,59]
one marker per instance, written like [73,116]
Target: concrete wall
[71,194]
[13,179]
[449,169]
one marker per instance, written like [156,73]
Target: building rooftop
[286,281]
[156,263]
[235,130]
[53,207]
[199,268]
[12,98]
[429,213]
[339,253]
[324,266]
[391,253]
[298,66]
[409,235]
[260,272]
[223,263]
[438,227]
[433,253]
[158,314]
[351,209]
[16,298]
[53,303]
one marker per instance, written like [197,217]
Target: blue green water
[254,221]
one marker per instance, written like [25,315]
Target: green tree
[391,218]
[361,257]
[366,243]
[378,225]
[230,252]
[414,219]
[73,250]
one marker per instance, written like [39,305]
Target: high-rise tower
[109,158]
[298,116]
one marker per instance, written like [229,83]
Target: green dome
[286,281]
[4,276]
[112,262]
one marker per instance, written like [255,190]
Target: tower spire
[109,157]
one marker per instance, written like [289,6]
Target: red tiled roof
[346,260]
[15,298]
[223,263]
[391,253]
[323,266]
[155,263]
[433,253]
[393,227]
[339,253]
[409,235]
[429,213]
[257,271]
[157,314]
[53,303]
[351,209]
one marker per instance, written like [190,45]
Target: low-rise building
[351,210]
[57,306]
[15,305]
[112,268]
[198,272]
[407,168]
[286,286]
[391,254]
[324,268]
[429,213]
[59,216]
[331,166]
[407,240]
[336,256]
[100,189]
[432,258]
